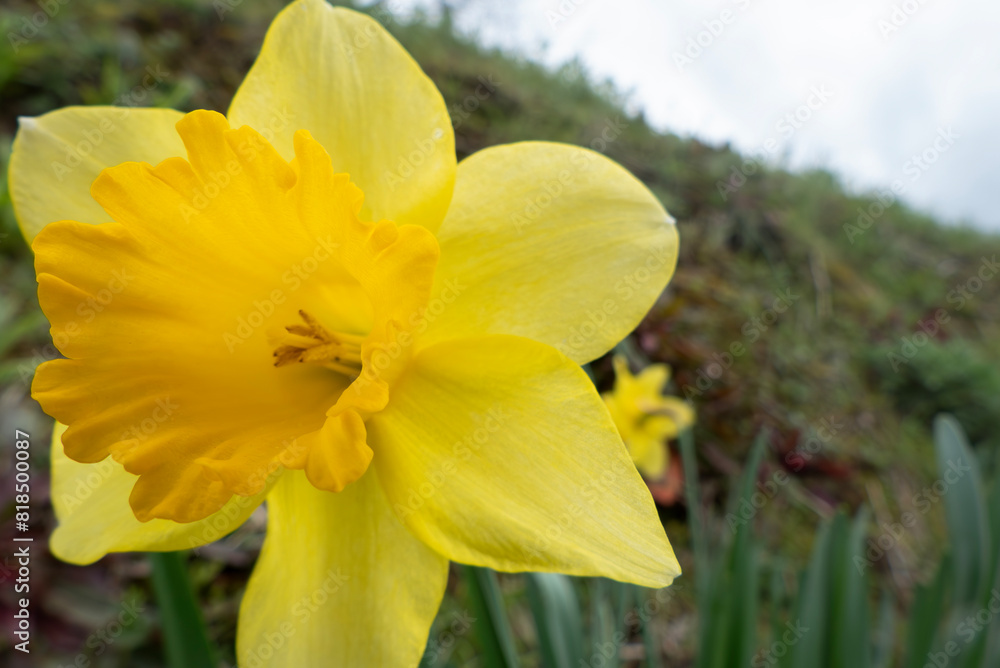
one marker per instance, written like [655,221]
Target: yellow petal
[91,504]
[653,378]
[338,74]
[340,582]
[623,373]
[622,415]
[670,415]
[56,157]
[497,451]
[627,394]
[552,242]
[649,454]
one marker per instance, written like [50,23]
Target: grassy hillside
[842,323]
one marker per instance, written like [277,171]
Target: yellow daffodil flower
[646,419]
[308,300]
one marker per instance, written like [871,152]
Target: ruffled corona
[249,288]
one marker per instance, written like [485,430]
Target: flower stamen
[312,342]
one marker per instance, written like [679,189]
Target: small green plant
[827,621]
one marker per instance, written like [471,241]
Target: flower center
[312,342]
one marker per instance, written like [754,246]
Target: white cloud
[892,91]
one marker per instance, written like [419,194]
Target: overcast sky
[887,80]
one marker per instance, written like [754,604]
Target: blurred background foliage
[842,416]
